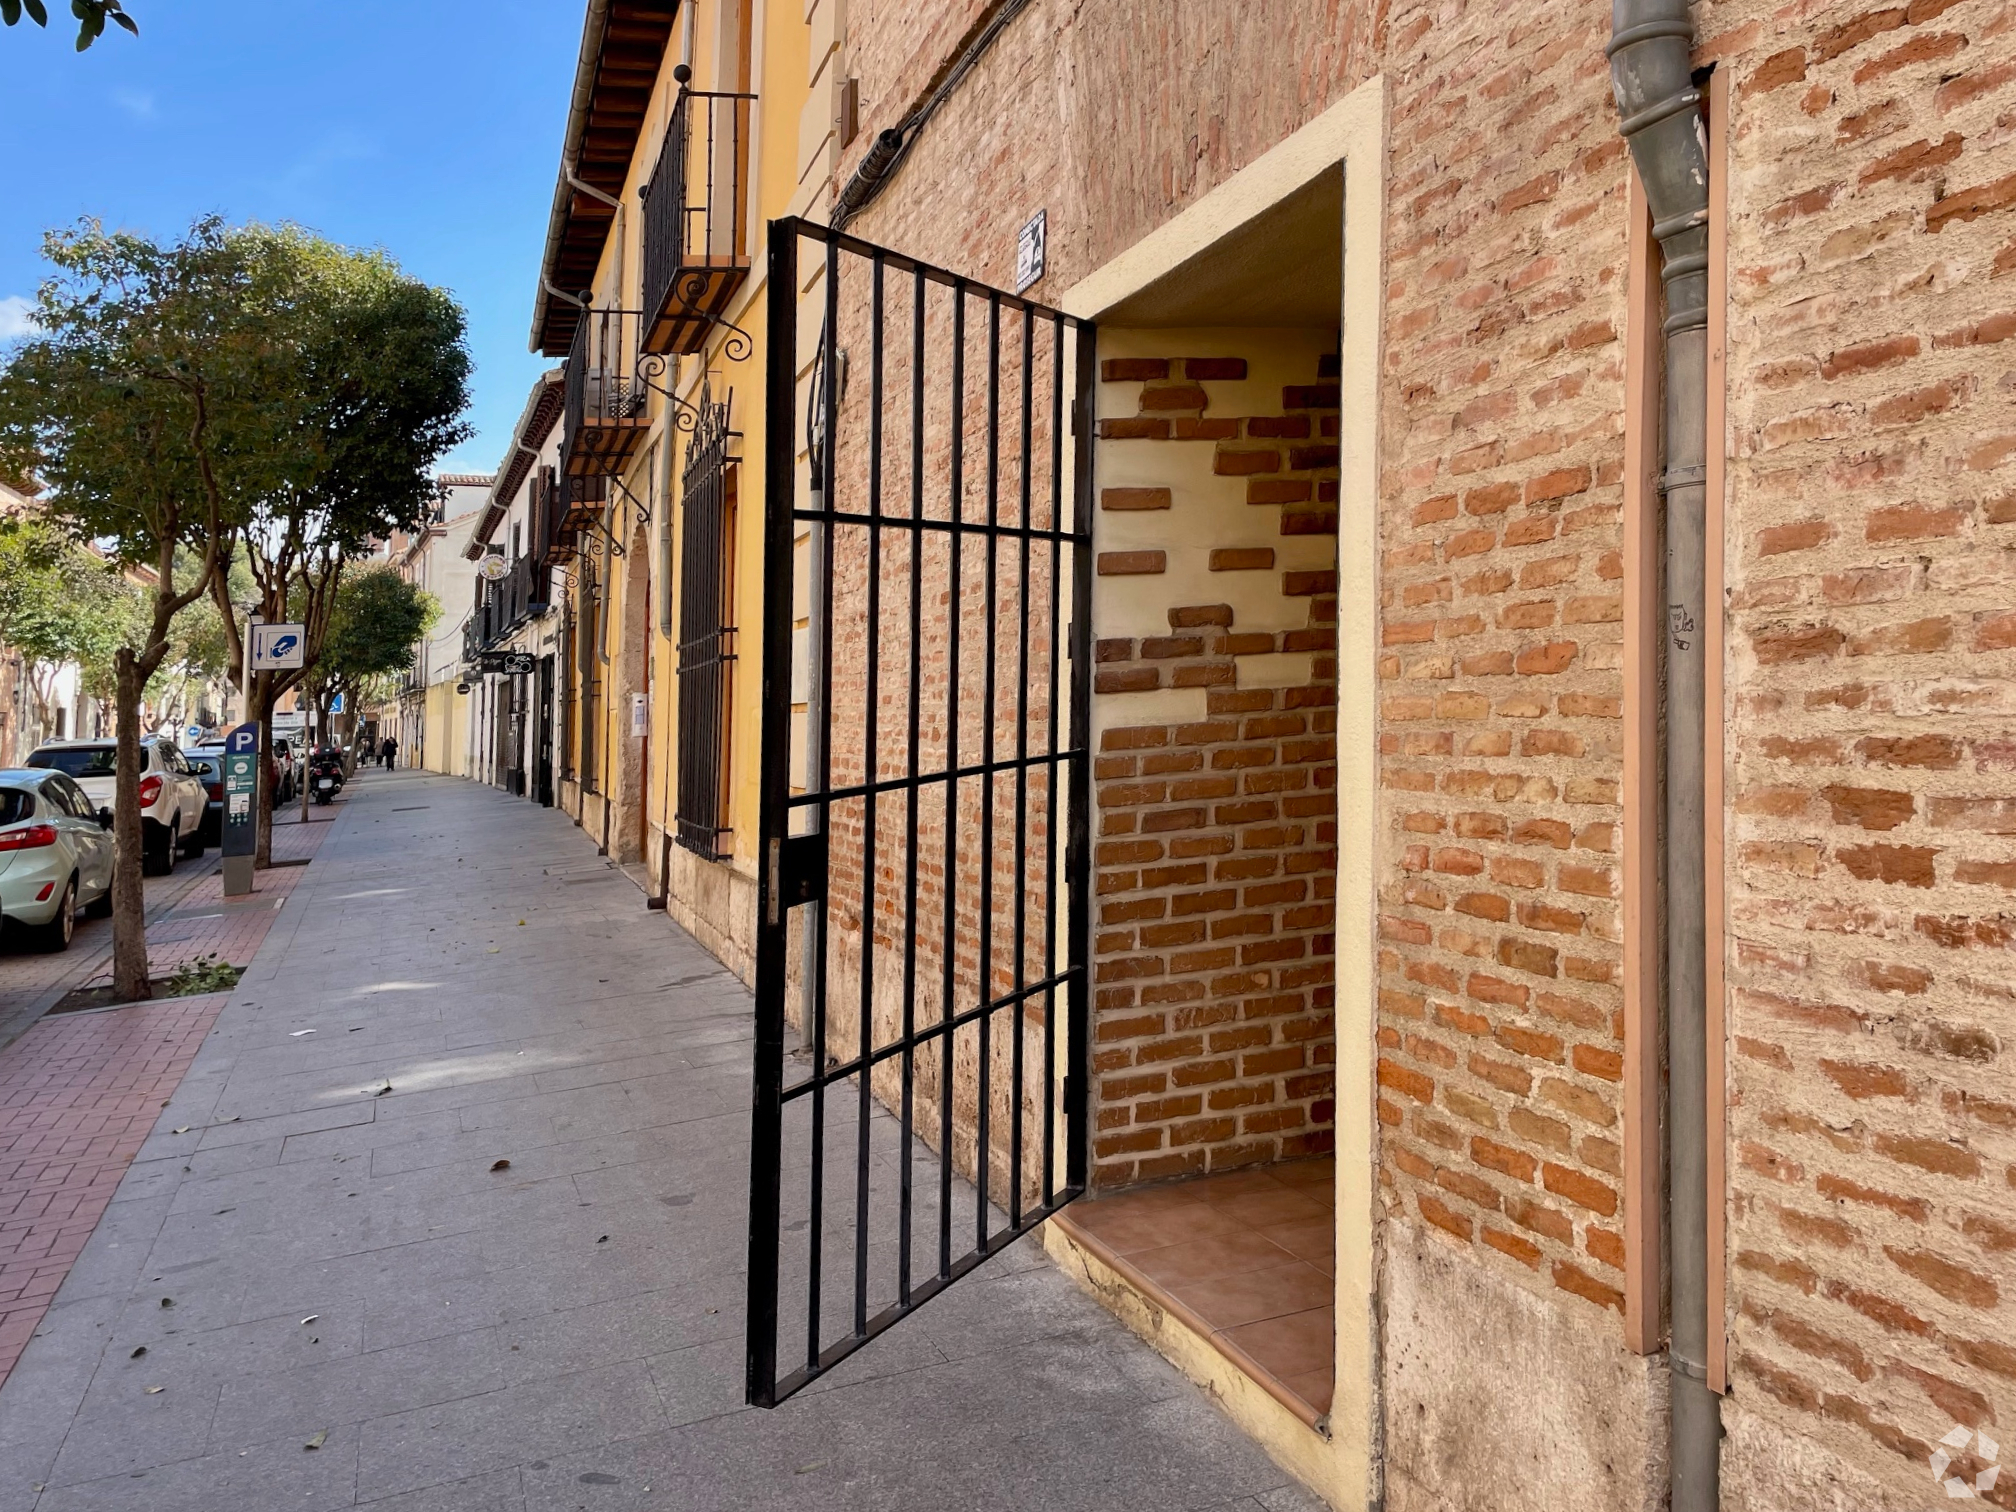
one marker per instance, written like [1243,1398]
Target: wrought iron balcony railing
[605,416]
[696,242]
[506,603]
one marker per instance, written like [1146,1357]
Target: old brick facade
[1871,1220]
[1867,737]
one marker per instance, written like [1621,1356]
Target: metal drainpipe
[1651,74]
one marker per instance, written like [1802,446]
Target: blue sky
[430,128]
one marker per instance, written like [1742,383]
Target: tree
[386,375]
[157,402]
[60,604]
[378,618]
[91,17]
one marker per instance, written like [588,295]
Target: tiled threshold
[1245,1260]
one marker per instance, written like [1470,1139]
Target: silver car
[55,856]
[172,799]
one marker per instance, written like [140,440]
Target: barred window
[706,631]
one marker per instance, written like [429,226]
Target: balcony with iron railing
[503,604]
[696,242]
[605,415]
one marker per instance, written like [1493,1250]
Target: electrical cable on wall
[892,145]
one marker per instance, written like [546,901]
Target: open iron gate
[922,1002]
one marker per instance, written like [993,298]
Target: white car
[55,856]
[172,797]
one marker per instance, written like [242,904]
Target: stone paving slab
[346,1269]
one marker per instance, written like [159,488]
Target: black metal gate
[922,1001]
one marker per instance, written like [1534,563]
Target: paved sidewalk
[79,1093]
[319,1261]
[187,917]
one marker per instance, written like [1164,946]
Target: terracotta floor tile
[1316,1387]
[1234,1184]
[1216,1255]
[1229,1301]
[1322,1171]
[1289,1346]
[1126,1225]
[1265,1209]
[1310,1239]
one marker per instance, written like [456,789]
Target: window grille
[706,634]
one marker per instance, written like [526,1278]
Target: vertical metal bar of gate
[854,491]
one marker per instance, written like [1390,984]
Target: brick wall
[1110,116]
[1500,1030]
[1872,881]
[1216,861]
[1870,725]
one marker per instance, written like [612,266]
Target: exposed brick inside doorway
[1216,766]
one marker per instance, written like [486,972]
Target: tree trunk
[131,981]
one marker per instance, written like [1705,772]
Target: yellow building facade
[682,143]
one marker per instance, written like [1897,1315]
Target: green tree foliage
[156,403]
[377,620]
[61,603]
[91,17]
[385,375]
[254,389]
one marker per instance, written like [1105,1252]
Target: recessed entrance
[1215,863]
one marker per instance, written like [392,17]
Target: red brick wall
[1216,861]
[1872,552]
[1111,116]
[1500,999]
[1872,190]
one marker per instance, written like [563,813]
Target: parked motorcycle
[325,773]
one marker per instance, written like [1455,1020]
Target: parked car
[286,770]
[55,856]
[208,765]
[172,800]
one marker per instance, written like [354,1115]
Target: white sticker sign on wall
[638,718]
[1029,251]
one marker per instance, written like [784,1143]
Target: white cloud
[17,316]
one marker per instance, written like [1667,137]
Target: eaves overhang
[535,424]
[623,46]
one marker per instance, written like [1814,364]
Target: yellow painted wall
[715,901]
[447,740]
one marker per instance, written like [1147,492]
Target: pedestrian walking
[388,748]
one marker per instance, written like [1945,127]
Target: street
[316,1287]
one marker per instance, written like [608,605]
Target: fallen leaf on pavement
[383,1090]
[156,1390]
[603,1240]
[318,1441]
[167,1301]
[137,1353]
[500,1165]
[299,1032]
[183,1130]
[310,1319]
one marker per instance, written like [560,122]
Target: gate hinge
[804,879]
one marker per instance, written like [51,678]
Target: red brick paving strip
[80,1093]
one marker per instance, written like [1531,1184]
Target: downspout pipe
[1651,75]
